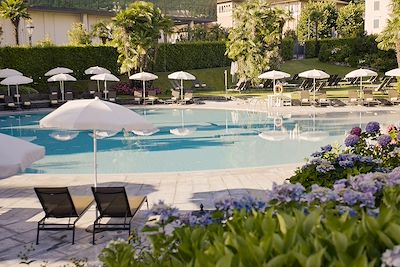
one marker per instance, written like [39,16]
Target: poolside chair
[393,96]
[69,96]
[198,84]
[112,96]
[25,101]
[175,84]
[152,98]
[352,98]
[174,99]
[58,204]
[137,97]
[10,104]
[239,85]
[112,202]
[323,101]
[305,98]
[187,98]
[53,100]
[369,99]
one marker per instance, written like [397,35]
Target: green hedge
[186,56]
[354,52]
[36,61]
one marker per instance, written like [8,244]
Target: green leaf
[282,224]
[315,260]
[393,230]
[385,239]
[277,261]
[340,241]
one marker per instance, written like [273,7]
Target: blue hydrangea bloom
[351,140]
[384,140]
[372,127]
[356,131]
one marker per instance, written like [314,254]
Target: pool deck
[20,209]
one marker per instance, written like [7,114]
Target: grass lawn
[214,78]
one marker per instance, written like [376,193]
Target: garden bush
[365,152]
[354,52]
[287,48]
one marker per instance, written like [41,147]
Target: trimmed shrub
[287,48]
[354,52]
[184,56]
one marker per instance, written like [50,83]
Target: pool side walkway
[20,209]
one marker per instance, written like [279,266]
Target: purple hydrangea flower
[321,194]
[398,136]
[372,127]
[384,140]
[356,131]
[316,154]
[391,258]
[285,193]
[351,140]
[326,148]
[325,166]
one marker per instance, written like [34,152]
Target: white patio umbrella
[274,75]
[181,75]
[58,70]
[62,77]
[315,75]
[16,80]
[143,76]
[96,70]
[360,73]
[95,115]
[234,69]
[105,77]
[19,155]
[393,72]
[5,73]
[182,131]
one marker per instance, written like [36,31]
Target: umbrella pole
[181,89]
[361,88]
[144,92]
[98,86]
[17,94]
[105,90]
[314,91]
[8,87]
[95,157]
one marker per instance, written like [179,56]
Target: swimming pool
[217,139]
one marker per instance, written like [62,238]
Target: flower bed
[341,209]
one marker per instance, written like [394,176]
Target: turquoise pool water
[218,140]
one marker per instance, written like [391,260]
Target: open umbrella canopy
[360,73]
[314,74]
[181,75]
[20,155]
[274,75]
[4,73]
[393,72]
[16,80]
[90,114]
[58,70]
[96,70]
[143,76]
[62,77]
[105,77]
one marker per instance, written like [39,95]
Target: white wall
[376,15]
[225,15]
[55,24]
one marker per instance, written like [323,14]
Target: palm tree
[14,10]
[316,16]
[282,17]
[137,30]
[390,37]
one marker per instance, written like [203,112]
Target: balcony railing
[205,9]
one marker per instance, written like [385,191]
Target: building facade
[377,13]
[225,9]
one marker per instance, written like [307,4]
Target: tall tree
[254,39]
[136,34]
[390,37]
[14,10]
[350,21]
[102,30]
[78,35]
[315,17]
[325,25]
[283,16]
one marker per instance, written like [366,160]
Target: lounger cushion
[11,104]
[81,203]
[135,203]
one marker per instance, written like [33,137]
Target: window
[376,23]
[376,5]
